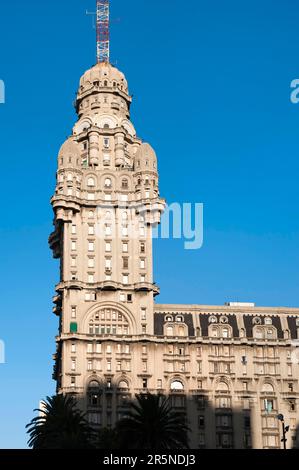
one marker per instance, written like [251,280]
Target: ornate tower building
[105,203]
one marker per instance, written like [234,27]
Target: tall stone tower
[105,204]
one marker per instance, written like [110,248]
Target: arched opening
[176,385]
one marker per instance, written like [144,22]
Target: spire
[103,39]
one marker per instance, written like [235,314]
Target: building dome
[106,74]
[69,148]
[146,158]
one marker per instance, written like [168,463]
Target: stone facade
[229,369]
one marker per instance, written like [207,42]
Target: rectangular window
[125,263]
[143,329]
[90,229]
[122,297]
[143,313]
[73,364]
[90,196]
[73,245]
[91,263]
[159,383]
[142,264]
[142,278]
[144,349]
[106,142]
[73,312]
[89,347]
[108,247]
[74,229]
[124,231]
[89,365]
[90,278]
[125,279]
[106,159]
[108,263]
[125,247]
[73,327]
[73,348]
[90,246]
[73,262]
[109,349]
[201,421]
[98,348]
[108,230]
[144,383]
[142,247]
[144,366]
[108,364]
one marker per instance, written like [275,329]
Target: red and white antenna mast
[103,31]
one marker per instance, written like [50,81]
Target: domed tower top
[103,79]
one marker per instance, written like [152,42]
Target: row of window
[108,245]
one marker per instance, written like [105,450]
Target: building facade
[229,369]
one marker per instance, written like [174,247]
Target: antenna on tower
[103,30]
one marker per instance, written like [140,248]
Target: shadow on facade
[222,427]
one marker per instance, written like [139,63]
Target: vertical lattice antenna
[103,36]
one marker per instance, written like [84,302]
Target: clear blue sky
[211,85]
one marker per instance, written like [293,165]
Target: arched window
[169,331]
[270,333]
[108,183]
[259,333]
[124,215]
[105,83]
[214,332]
[108,322]
[106,126]
[181,331]
[90,181]
[222,387]
[268,388]
[94,384]
[168,318]
[123,384]
[124,184]
[225,332]
[268,321]
[179,318]
[94,396]
[212,319]
[176,385]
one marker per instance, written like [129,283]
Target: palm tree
[60,425]
[152,424]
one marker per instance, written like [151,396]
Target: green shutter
[73,327]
